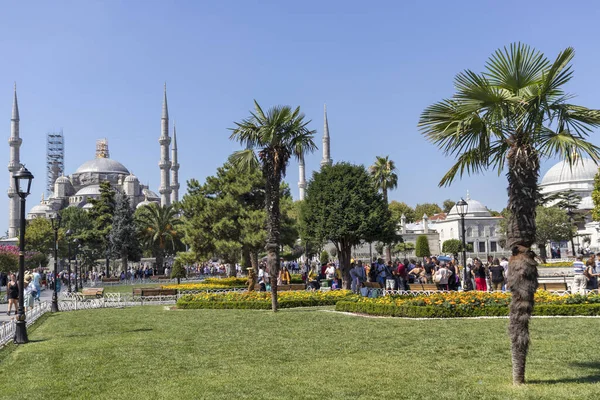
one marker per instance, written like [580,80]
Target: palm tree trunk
[523,171]
[273,180]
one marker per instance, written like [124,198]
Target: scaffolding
[55,158]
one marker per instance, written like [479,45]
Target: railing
[7,330]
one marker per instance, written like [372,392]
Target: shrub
[422,247]
[324,258]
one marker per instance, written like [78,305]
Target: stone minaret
[174,169]
[164,164]
[326,155]
[13,166]
[302,180]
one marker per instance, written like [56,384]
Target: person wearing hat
[28,293]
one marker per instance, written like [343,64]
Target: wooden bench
[159,278]
[154,292]
[372,285]
[104,280]
[293,286]
[554,286]
[92,292]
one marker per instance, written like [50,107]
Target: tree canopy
[426,208]
[398,208]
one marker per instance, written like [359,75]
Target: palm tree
[159,230]
[384,175]
[512,115]
[276,136]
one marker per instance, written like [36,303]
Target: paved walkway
[45,296]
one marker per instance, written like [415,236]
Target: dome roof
[90,190]
[102,165]
[585,169]
[143,203]
[62,179]
[150,194]
[88,206]
[40,209]
[131,178]
[475,209]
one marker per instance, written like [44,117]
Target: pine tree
[422,247]
[123,236]
[596,198]
[102,214]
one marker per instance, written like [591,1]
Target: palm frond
[245,160]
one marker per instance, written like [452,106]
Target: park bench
[159,278]
[107,280]
[554,286]
[154,292]
[372,285]
[92,292]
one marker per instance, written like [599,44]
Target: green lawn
[153,353]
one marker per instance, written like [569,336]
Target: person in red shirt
[402,275]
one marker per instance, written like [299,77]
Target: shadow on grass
[591,378]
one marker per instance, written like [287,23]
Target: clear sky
[96,69]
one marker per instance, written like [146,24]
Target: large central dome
[102,165]
[584,170]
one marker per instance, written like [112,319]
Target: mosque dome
[144,203]
[587,203]
[62,179]
[91,190]
[102,165]
[131,178]
[88,206]
[475,209]
[583,170]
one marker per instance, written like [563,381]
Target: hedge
[409,311]
[251,305]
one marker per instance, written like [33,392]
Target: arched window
[451,233]
[492,231]
[469,232]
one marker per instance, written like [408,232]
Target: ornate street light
[55,219]
[76,248]
[68,235]
[462,207]
[22,182]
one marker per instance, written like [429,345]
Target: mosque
[78,188]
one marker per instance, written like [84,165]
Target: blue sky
[96,69]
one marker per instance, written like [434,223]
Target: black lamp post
[55,226]
[68,235]
[76,286]
[22,177]
[462,207]
[571,215]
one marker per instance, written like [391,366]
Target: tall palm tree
[510,116]
[271,139]
[384,175]
[160,230]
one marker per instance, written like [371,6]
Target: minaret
[164,164]
[326,155]
[174,169]
[13,166]
[302,180]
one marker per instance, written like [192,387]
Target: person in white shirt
[579,279]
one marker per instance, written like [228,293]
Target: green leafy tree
[422,246]
[596,198]
[447,205]
[343,207]
[160,230]
[324,258]
[398,208]
[426,208]
[552,224]
[123,236]
[404,248]
[384,175]
[178,271]
[101,213]
[276,136]
[452,246]
[89,249]
[507,118]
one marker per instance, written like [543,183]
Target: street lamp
[55,219]
[571,216]
[462,207]
[68,235]
[22,177]
[76,248]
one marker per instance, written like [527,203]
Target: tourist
[28,293]
[468,281]
[453,279]
[284,277]
[12,290]
[358,276]
[579,278]
[441,276]
[402,274]
[497,275]
[390,280]
[261,278]
[591,274]
[418,273]
[429,267]
[480,274]
[381,272]
[37,283]
[330,273]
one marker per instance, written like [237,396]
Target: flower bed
[219,283]
[262,300]
[468,304]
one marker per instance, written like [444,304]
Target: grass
[153,353]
